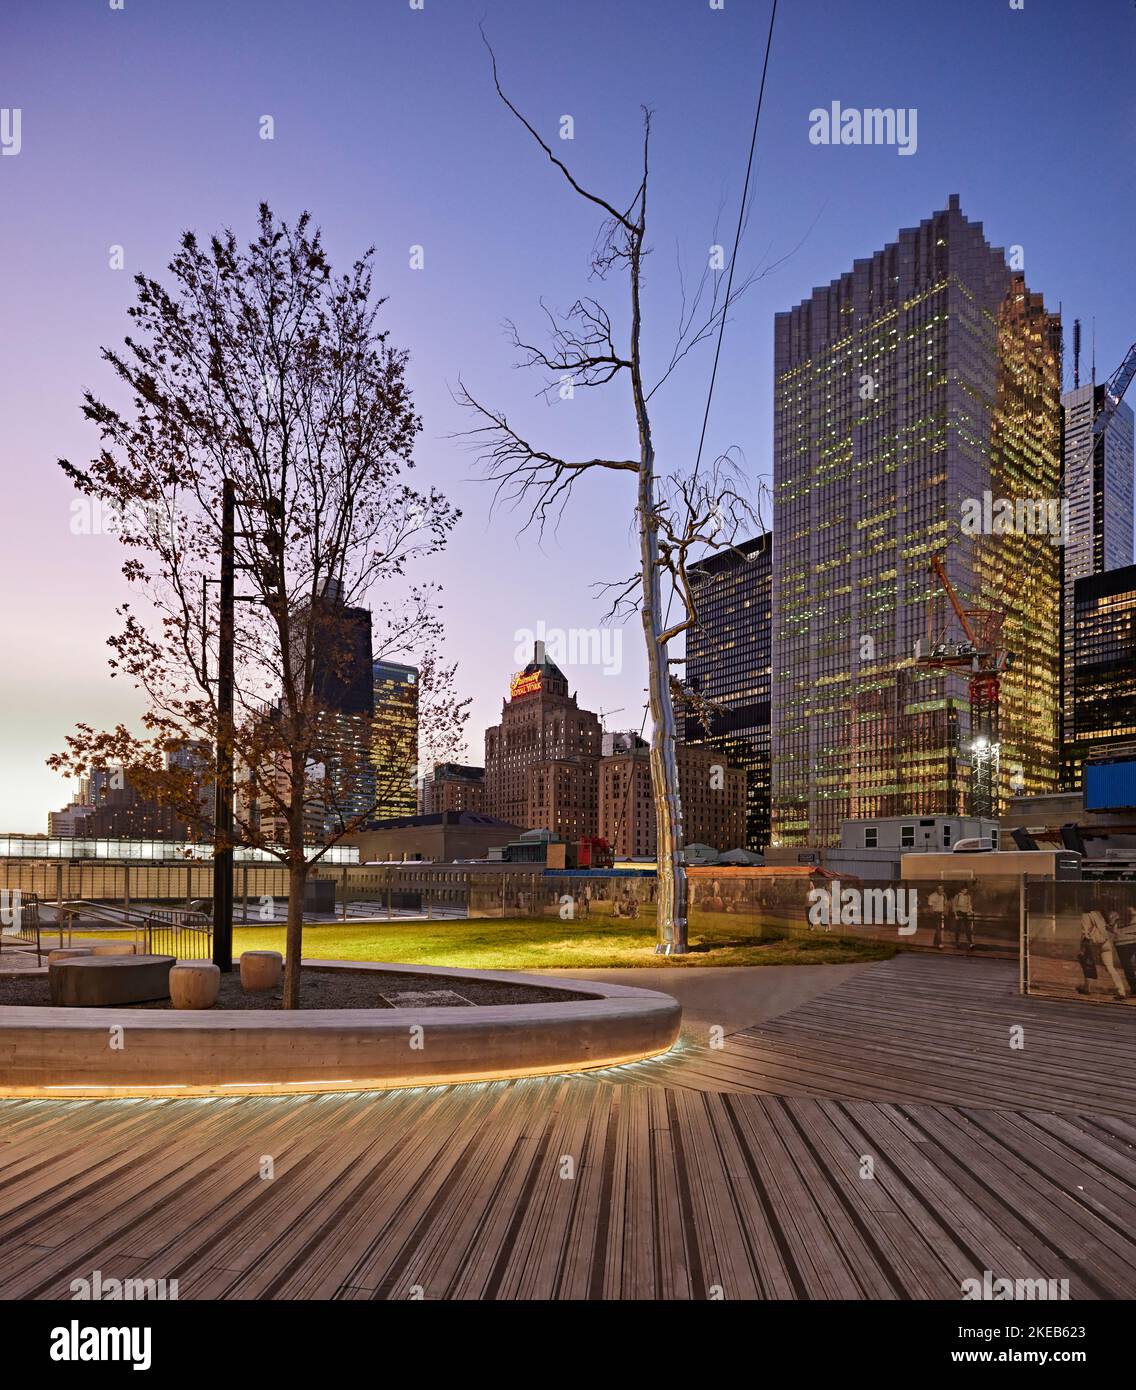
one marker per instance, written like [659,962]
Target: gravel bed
[338,990]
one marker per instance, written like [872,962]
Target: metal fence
[184,935]
[19,915]
[969,915]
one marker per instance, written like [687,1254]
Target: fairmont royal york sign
[524,684]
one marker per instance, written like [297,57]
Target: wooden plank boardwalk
[928,1028]
[737,1172]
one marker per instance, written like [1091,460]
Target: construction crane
[1111,394]
[981,658]
[1114,389]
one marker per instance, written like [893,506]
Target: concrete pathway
[731,997]
[18,961]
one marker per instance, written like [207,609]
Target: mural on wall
[1081,941]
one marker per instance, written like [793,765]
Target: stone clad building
[541,760]
[713,798]
[454,787]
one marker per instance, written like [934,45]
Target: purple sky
[139,123]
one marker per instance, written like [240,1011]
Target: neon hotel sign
[524,684]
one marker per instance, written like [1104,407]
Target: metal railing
[21,912]
[179,933]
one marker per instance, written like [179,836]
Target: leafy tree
[258,365]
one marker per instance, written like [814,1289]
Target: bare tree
[260,367]
[672,517]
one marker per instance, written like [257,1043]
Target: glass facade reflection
[1103,707]
[728,668]
[924,377]
[77,847]
[394,735]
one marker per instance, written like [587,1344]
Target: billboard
[1110,786]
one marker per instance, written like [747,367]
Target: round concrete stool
[261,970]
[194,985]
[114,948]
[68,953]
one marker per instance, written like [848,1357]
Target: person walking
[964,918]
[1086,954]
[1095,933]
[1125,942]
[937,905]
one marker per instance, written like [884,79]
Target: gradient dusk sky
[141,122]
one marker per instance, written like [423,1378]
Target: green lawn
[524,944]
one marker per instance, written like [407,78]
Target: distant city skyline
[385,125]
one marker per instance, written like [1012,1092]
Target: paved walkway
[886,1138]
[15,960]
[727,997]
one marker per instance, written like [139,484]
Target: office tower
[195,757]
[921,385]
[395,739]
[453,787]
[1098,518]
[98,783]
[67,821]
[342,690]
[108,806]
[123,813]
[1103,703]
[728,671]
[712,793]
[540,761]
[343,706]
[341,651]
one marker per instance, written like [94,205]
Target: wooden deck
[729,1173]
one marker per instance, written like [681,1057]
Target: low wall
[132,1052]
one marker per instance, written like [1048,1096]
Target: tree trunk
[671,911]
[294,937]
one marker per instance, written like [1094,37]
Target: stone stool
[114,948]
[261,970]
[194,984]
[67,953]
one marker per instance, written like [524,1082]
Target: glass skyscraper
[395,739]
[923,382]
[1103,687]
[728,669]
[1098,497]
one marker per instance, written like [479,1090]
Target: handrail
[183,933]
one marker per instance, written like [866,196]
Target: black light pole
[223,812]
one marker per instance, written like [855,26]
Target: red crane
[980,658]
